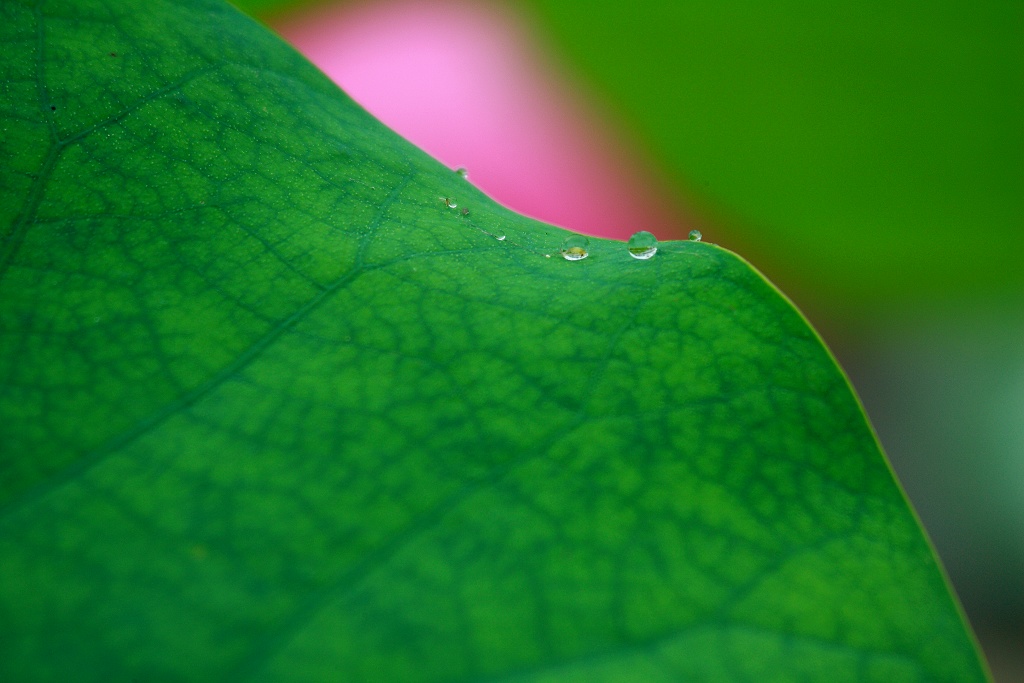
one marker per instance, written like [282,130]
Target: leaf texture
[271,409]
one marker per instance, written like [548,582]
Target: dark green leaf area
[851,145]
[271,409]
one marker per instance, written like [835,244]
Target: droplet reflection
[574,248]
[642,245]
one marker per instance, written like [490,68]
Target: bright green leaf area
[271,410]
[858,146]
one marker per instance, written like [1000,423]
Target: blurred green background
[869,158]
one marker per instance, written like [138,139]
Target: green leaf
[271,410]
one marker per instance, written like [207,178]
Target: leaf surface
[271,409]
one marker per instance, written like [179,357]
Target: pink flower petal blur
[465,82]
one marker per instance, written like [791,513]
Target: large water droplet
[449,202]
[574,247]
[642,245]
[462,172]
[695,235]
[500,238]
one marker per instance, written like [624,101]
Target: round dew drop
[462,172]
[642,245]
[574,248]
[695,235]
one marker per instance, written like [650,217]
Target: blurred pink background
[477,92]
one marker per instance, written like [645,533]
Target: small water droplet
[500,238]
[462,172]
[695,235]
[465,211]
[449,202]
[574,247]
[642,245]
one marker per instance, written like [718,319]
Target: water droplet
[642,245]
[695,235]
[500,238]
[465,211]
[449,202]
[462,172]
[574,247]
